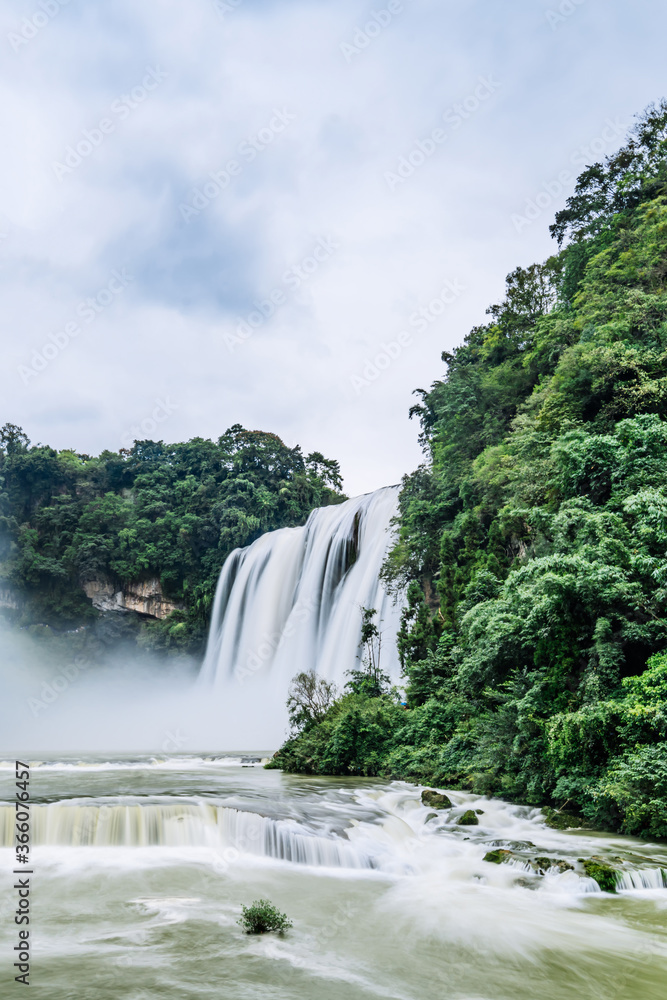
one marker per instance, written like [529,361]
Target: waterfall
[292,600]
[195,823]
[638,878]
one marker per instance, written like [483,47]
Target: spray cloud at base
[290,602]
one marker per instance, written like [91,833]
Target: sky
[279,214]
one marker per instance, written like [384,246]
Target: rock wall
[8,599]
[143,596]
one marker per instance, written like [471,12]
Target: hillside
[533,540]
[149,526]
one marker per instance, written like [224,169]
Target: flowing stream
[142,864]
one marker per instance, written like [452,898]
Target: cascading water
[193,823]
[292,600]
[142,864]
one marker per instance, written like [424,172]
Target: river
[141,864]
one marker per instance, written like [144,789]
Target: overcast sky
[372,161]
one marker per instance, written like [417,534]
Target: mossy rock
[469,818]
[542,865]
[435,800]
[604,874]
[562,821]
[498,856]
[480,812]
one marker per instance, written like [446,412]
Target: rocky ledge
[143,596]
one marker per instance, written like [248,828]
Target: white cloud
[323,175]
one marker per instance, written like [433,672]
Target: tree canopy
[532,542]
[170,511]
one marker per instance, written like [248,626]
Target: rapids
[142,863]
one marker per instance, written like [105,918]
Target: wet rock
[436,800]
[543,865]
[558,820]
[480,812]
[497,857]
[469,818]
[430,817]
[513,845]
[604,874]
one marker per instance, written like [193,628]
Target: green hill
[533,540]
[166,515]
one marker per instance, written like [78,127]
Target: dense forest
[172,512]
[533,540]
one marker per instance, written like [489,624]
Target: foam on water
[401,837]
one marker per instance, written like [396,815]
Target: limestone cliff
[143,596]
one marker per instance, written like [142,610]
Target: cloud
[226,76]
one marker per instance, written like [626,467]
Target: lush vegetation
[262,917]
[168,511]
[533,540]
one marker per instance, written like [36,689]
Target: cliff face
[8,599]
[143,596]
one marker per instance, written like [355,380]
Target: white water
[381,829]
[292,600]
[141,866]
[197,823]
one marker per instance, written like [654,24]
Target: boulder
[498,856]
[435,800]
[543,865]
[469,818]
[558,820]
[604,874]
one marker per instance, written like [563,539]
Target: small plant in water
[262,916]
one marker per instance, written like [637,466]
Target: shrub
[309,699]
[262,916]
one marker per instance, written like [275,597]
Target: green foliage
[262,917]
[171,511]
[354,737]
[533,539]
[636,785]
[604,875]
[309,699]
[369,681]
